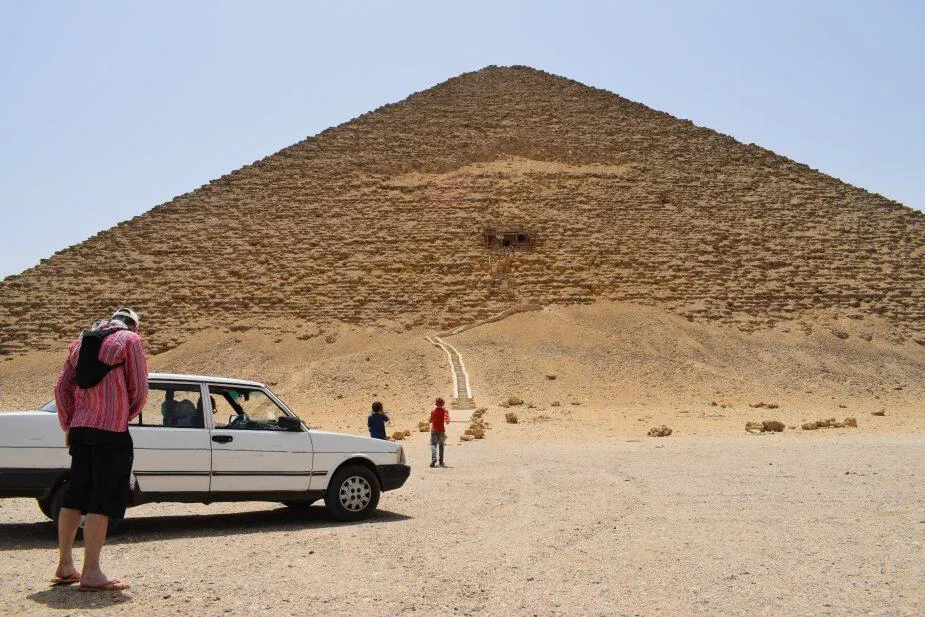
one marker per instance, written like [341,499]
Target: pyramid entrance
[507,238]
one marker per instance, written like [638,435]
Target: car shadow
[132,530]
[69,597]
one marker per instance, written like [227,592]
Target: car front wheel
[353,493]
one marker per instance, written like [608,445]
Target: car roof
[208,378]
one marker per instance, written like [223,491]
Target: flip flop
[66,580]
[112,584]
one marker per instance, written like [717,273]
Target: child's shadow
[69,596]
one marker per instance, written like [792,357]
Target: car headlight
[401,455]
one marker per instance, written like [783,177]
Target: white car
[209,439]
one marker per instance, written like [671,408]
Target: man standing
[438,419]
[98,393]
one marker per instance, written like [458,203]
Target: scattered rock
[839,333]
[510,417]
[879,412]
[407,433]
[659,431]
[754,427]
[772,426]
[514,401]
[555,404]
[830,423]
[760,405]
[713,403]
[398,435]
[551,377]
[465,438]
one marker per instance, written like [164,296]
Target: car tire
[353,493]
[45,506]
[55,500]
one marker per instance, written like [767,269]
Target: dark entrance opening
[507,238]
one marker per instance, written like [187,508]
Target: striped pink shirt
[111,404]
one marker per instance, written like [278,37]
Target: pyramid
[383,218]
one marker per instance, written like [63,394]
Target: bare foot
[93,578]
[110,585]
[67,571]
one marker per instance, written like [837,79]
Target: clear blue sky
[110,108]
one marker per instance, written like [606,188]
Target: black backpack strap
[110,333]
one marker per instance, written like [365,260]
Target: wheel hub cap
[355,493]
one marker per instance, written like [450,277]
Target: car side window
[244,408]
[173,406]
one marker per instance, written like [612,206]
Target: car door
[173,453]
[250,453]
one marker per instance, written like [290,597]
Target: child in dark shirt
[376,422]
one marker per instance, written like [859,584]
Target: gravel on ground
[766,525]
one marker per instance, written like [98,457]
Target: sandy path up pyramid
[381,219]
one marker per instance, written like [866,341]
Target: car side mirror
[288,423]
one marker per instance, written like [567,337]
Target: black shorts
[101,468]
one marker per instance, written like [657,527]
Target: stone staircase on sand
[463,397]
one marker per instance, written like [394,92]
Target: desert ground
[822,524]
[573,510]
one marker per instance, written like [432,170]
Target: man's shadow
[69,597]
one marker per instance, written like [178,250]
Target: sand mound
[621,369]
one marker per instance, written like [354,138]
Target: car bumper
[393,476]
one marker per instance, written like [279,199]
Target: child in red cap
[438,419]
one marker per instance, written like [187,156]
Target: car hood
[323,441]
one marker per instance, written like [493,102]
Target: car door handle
[222,438]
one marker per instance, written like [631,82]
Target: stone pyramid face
[383,218]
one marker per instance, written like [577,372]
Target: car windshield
[49,406]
